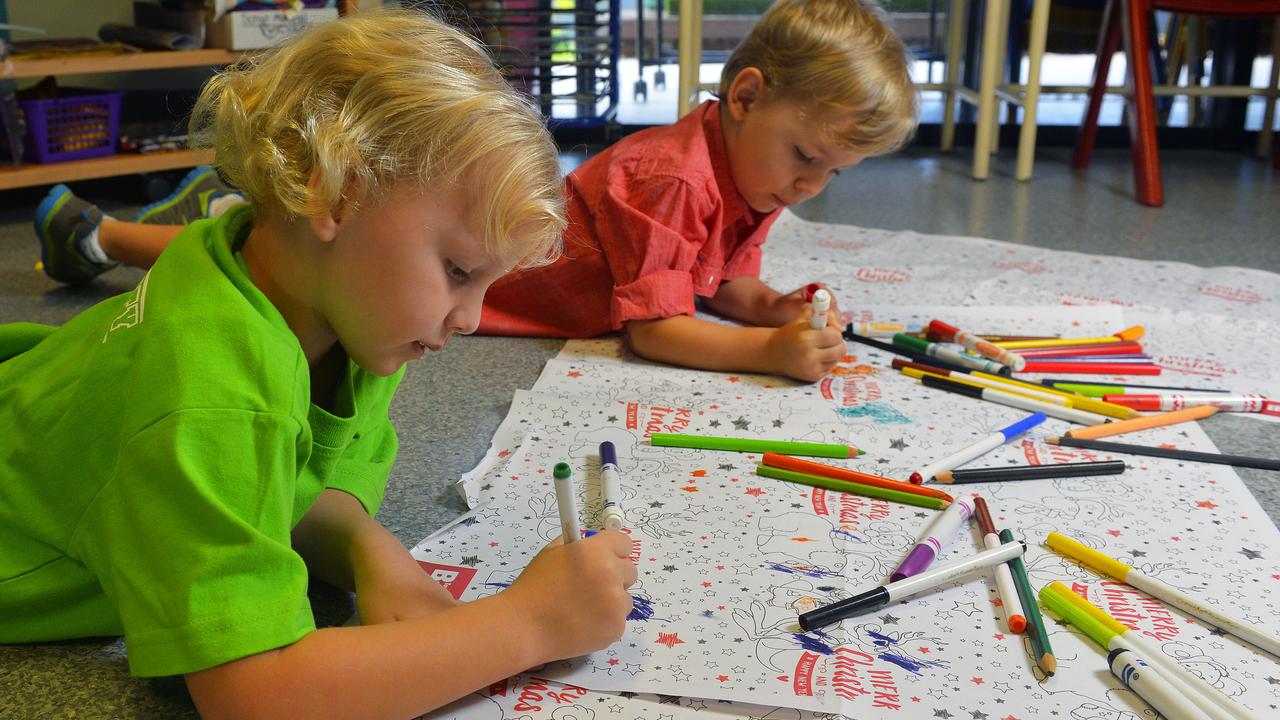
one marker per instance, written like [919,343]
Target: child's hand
[801,352]
[786,307]
[575,596]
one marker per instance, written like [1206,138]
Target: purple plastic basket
[81,124]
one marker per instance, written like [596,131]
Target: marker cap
[911,343]
[943,330]
[561,471]
[919,559]
[608,454]
[1022,425]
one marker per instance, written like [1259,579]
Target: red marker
[1088,368]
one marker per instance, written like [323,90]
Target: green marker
[1077,617]
[852,488]
[782,447]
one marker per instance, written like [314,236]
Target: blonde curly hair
[834,55]
[377,98]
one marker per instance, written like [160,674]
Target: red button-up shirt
[654,221]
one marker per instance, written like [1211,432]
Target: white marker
[564,500]
[821,304]
[1151,686]
[611,487]
[977,449]
[902,589]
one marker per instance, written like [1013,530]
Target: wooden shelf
[27,175]
[151,60]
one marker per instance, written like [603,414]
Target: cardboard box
[256,29]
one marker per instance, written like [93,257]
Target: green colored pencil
[783,447]
[1040,647]
[853,488]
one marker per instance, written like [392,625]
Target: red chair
[1133,16]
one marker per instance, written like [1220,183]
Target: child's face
[411,272]
[781,153]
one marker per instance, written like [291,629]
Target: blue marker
[611,487]
[982,447]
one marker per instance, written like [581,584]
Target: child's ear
[745,92]
[325,223]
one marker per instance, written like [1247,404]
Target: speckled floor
[1222,209]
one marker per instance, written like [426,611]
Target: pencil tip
[943,477]
[1054,440]
[1049,664]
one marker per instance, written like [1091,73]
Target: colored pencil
[1010,605]
[1087,368]
[1041,650]
[852,488]
[1172,454]
[935,337]
[750,445]
[978,448]
[1096,390]
[1030,472]
[1064,545]
[1141,423]
[1132,333]
[1111,634]
[1103,349]
[1080,403]
[1012,400]
[786,462]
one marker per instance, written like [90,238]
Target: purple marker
[929,547]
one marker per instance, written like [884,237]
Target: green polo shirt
[155,453]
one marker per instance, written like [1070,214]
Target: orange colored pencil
[787,462]
[1142,423]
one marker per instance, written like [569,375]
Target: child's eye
[803,158]
[456,273]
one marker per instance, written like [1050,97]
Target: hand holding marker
[821,304]
[565,502]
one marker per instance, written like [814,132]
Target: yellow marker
[1249,632]
[1076,400]
[1093,611]
[1132,333]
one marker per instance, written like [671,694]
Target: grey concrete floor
[1222,209]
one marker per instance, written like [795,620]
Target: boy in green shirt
[180,459]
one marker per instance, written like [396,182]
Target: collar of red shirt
[735,206]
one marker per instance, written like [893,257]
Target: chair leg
[987,88]
[1108,41]
[1141,102]
[1031,98]
[1269,114]
[955,51]
[1002,62]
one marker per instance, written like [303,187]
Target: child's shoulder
[682,152]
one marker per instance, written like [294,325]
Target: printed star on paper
[669,639]
[741,423]
[967,608]
[777,423]
[714,423]
[1251,554]
[889,619]
[726,466]
[898,444]
[1138,553]
[1113,533]
[655,504]
[1207,504]
[976,680]
[574,374]
[722,678]
[612,419]
[978,715]
[1272,680]
[942,714]
[669,568]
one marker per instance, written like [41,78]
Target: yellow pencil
[1078,401]
[1132,333]
[1142,423]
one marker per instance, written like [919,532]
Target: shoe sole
[175,197]
[45,211]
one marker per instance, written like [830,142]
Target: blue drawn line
[815,642]
[880,413]
[907,663]
[641,608]
[502,585]
[881,640]
[813,572]
[846,533]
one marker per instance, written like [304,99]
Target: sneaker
[199,192]
[63,222]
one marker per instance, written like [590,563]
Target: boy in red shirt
[673,215]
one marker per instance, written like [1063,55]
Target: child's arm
[795,349]
[345,547]
[571,599]
[747,299]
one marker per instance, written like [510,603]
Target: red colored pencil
[1087,368]
[1116,348]
[787,462]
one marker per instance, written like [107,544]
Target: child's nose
[465,319]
